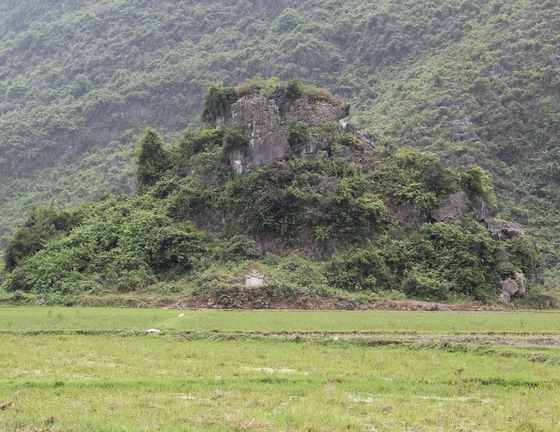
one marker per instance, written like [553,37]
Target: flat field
[68,369]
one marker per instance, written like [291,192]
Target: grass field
[96,370]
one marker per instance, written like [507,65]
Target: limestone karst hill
[278,180]
[80,80]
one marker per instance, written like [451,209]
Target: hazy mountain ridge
[466,77]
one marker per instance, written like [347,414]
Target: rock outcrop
[500,230]
[513,287]
[281,128]
[450,208]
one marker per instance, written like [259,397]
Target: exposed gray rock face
[408,213]
[269,138]
[454,207]
[352,129]
[450,208]
[343,152]
[504,230]
[270,123]
[521,283]
[538,277]
[513,287]
[462,161]
[502,259]
[485,213]
[510,287]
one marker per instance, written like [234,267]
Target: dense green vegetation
[79,80]
[310,207]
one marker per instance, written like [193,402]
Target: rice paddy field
[78,369]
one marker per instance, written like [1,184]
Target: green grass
[211,380]
[21,319]
[115,383]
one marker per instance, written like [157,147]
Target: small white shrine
[254,279]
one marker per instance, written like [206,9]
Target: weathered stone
[268,121]
[269,137]
[505,297]
[509,286]
[152,330]
[343,152]
[484,213]
[465,161]
[521,284]
[352,129]
[40,302]
[450,208]
[352,304]
[502,259]
[462,132]
[408,213]
[500,230]
[435,307]
[538,277]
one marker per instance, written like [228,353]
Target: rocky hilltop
[281,127]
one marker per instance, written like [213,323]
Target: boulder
[269,137]
[352,304]
[509,286]
[435,307]
[521,283]
[343,152]
[408,213]
[500,230]
[465,161]
[450,208]
[502,260]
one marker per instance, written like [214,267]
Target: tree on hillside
[152,158]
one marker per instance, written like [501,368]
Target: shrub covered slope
[351,217]
[80,79]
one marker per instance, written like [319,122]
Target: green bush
[425,284]
[287,21]
[119,244]
[216,102]
[235,139]
[153,161]
[299,133]
[351,141]
[199,141]
[294,89]
[42,225]
[360,269]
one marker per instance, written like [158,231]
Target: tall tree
[152,158]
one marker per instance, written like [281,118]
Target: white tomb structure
[254,279]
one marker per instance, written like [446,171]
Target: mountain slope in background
[81,79]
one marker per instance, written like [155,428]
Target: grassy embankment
[91,369]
